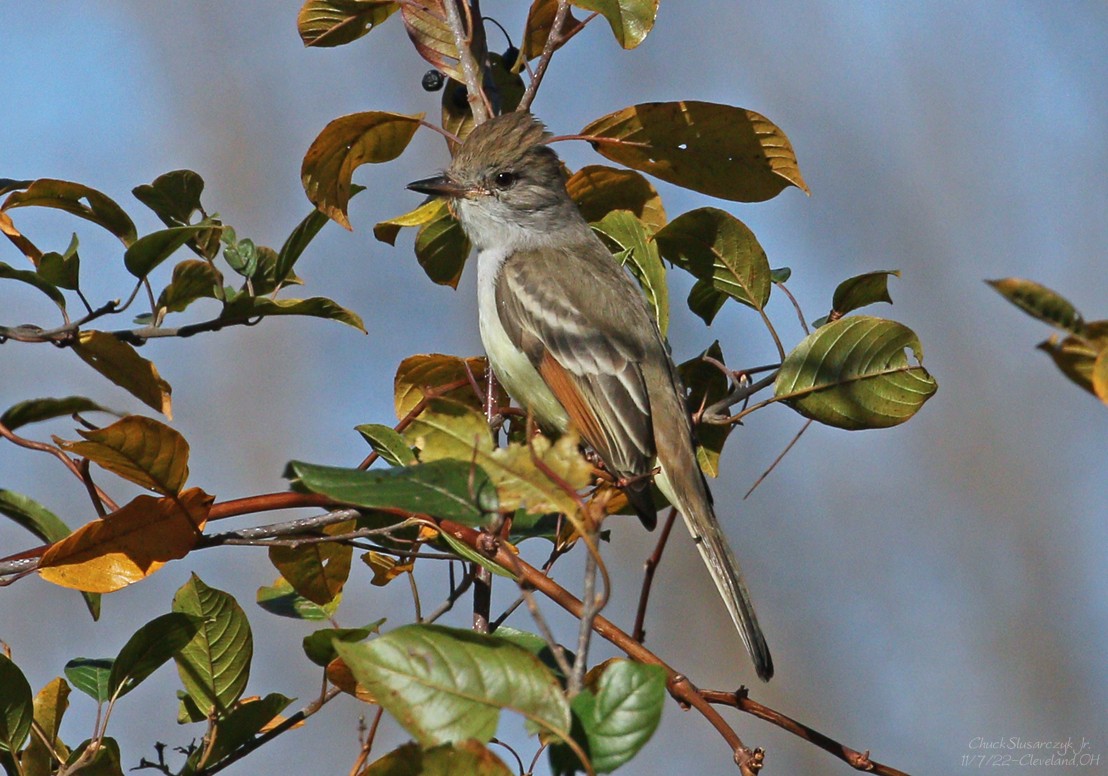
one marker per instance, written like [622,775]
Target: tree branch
[470,68]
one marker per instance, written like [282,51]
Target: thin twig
[777,460]
[796,306]
[552,40]
[649,569]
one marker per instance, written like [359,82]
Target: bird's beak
[439,186]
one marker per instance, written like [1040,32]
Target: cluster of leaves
[1082,354]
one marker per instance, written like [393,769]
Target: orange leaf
[142,450]
[129,544]
[385,567]
[338,673]
[118,361]
[429,371]
[318,570]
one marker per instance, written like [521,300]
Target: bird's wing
[582,349]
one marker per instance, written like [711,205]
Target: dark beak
[439,186]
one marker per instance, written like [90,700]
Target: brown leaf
[719,150]
[432,36]
[129,544]
[540,19]
[142,450]
[598,190]
[338,673]
[428,371]
[119,362]
[344,145]
[325,23]
[26,247]
[318,570]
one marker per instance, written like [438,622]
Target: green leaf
[618,713]
[192,279]
[33,516]
[298,240]
[470,758]
[598,190]
[326,23]
[152,249]
[173,196]
[243,722]
[32,278]
[1040,302]
[717,248]
[719,150]
[151,645]
[705,300]
[37,410]
[464,551]
[104,762]
[62,269]
[80,200]
[387,443]
[242,257]
[264,279]
[441,247]
[630,20]
[640,253]
[119,362]
[862,290]
[16,706]
[448,489]
[319,645]
[782,274]
[854,373]
[215,665]
[536,645]
[282,600]
[444,685]
[91,676]
[344,145]
[244,308]
[143,450]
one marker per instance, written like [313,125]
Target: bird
[572,339]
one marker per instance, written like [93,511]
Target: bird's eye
[505,179]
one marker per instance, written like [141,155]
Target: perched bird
[570,336]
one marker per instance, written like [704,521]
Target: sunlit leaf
[16,706]
[316,570]
[33,279]
[854,373]
[325,23]
[119,362]
[50,705]
[344,145]
[719,150]
[127,545]
[598,190]
[419,374]
[640,253]
[282,600]
[386,568]
[540,20]
[432,36]
[717,248]
[444,685]
[245,308]
[1040,302]
[90,676]
[469,757]
[149,648]
[25,246]
[630,20]
[192,279]
[215,665]
[80,200]
[1078,358]
[448,489]
[387,443]
[1100,375]
[139,449]
[862,290]
[319,645]
[386,231]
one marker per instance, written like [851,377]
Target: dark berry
[433,80]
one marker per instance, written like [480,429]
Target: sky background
[920,587]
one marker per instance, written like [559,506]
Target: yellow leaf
[386,568]
[1100,375]
[434,371]
[318,570]
[344,145]
[129,544]
[598,190]
[386,231]
[50,704]
[119,362]
[719,150]
[631,20]
[142,450]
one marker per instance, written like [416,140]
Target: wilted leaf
[471,758]
[419,374]
[344,145]
[640,253]
[717,248]
[33,279]
[90,676]
[719,150]
[119,362]
[149,648]
[319,645]
[387,443]
[16,706]
[444,685]
[325,23]
[215,665]
[862,290]
[432,36]
[854,373]
[540,20]
[598,190]
[1040,302]
[80,200]
[448,489]
[245,307]
[139,449]
[282,600]
[192,279]
[127,545]
[50,704]
[316,570]
[630,20]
